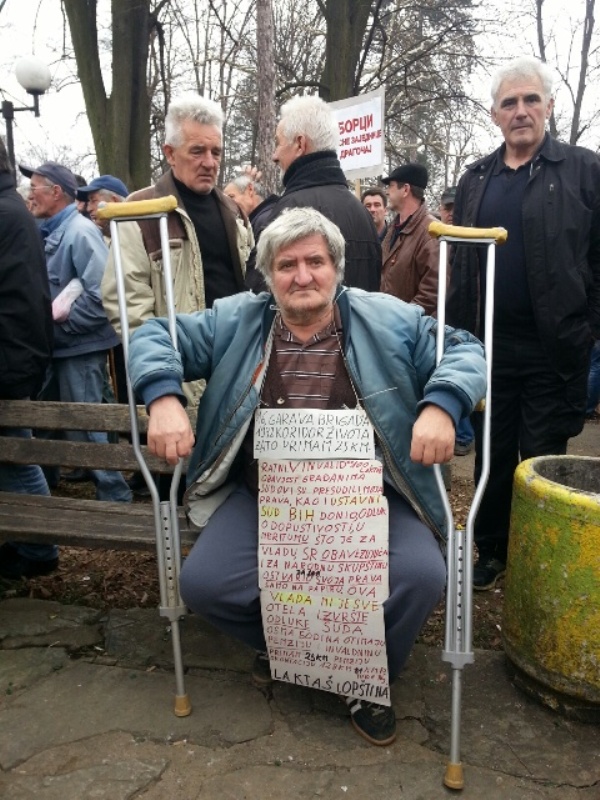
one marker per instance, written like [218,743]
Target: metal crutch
[459,591]
[168,549]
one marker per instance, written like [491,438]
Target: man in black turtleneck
[305,149]
[210,237]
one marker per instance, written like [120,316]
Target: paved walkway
[86,713]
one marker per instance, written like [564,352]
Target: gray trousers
[219,578]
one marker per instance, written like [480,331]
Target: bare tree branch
[588,29]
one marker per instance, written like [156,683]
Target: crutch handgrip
[137,208]
[437,229]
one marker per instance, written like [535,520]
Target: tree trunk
[120,124]
[539,19]
[266,93]
[576,93]
[346,26]
[586,40]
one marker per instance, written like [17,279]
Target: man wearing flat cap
[75,259]
[447,205]
[104,189]
[410,255]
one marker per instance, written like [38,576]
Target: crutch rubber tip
[454,778]
[183,707]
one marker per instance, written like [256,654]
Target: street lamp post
[34,76]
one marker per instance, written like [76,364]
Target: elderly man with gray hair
[249,194]
[547,290]
[308,343]
[103,189]
[210,237]
[305,150]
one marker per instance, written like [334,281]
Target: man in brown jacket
[410,254]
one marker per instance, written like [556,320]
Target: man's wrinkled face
[396,193]
[197,160]
[243,199]
[304,280]
[43,197]
[376,208]
[446,213]
[93,201]
[521,111]
[286,151]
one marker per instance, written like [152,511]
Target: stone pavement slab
[101,725]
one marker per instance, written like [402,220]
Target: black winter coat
[317,181]
[25,311]
[561,225]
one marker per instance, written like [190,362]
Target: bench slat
[68,520]
[82,523]
[46,415]
[58,453]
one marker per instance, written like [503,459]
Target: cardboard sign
[311,433]
[361,148]
[323,573]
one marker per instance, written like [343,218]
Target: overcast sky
[62,132]
[62,127]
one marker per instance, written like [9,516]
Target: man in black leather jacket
[547,290]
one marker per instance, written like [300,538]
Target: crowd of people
[314,298]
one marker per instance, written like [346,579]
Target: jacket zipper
[399,482]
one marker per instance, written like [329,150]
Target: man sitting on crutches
[311,471]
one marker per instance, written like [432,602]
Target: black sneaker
[486,573]
[261,670]
[376,723]
[137,484]
[463,449]
[14,566]
[77,476]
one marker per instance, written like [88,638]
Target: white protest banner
[312,433]
[323,574]
[361,148]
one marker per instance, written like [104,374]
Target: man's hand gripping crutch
[165,513]
[459,591]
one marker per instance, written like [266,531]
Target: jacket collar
[341,298]
[52,224]
[166,185]
[266,203]
[415,219]
[7,181]
[314,169]
[550,150]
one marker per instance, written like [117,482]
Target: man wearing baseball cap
[75,259]
[104,189]
[410,255]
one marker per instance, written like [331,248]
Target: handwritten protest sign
[310,433]
[323,555]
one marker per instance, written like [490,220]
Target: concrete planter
[551,625]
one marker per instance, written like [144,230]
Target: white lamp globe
[33,75]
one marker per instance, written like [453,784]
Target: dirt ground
[124,579]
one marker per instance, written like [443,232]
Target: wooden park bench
[68,520]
